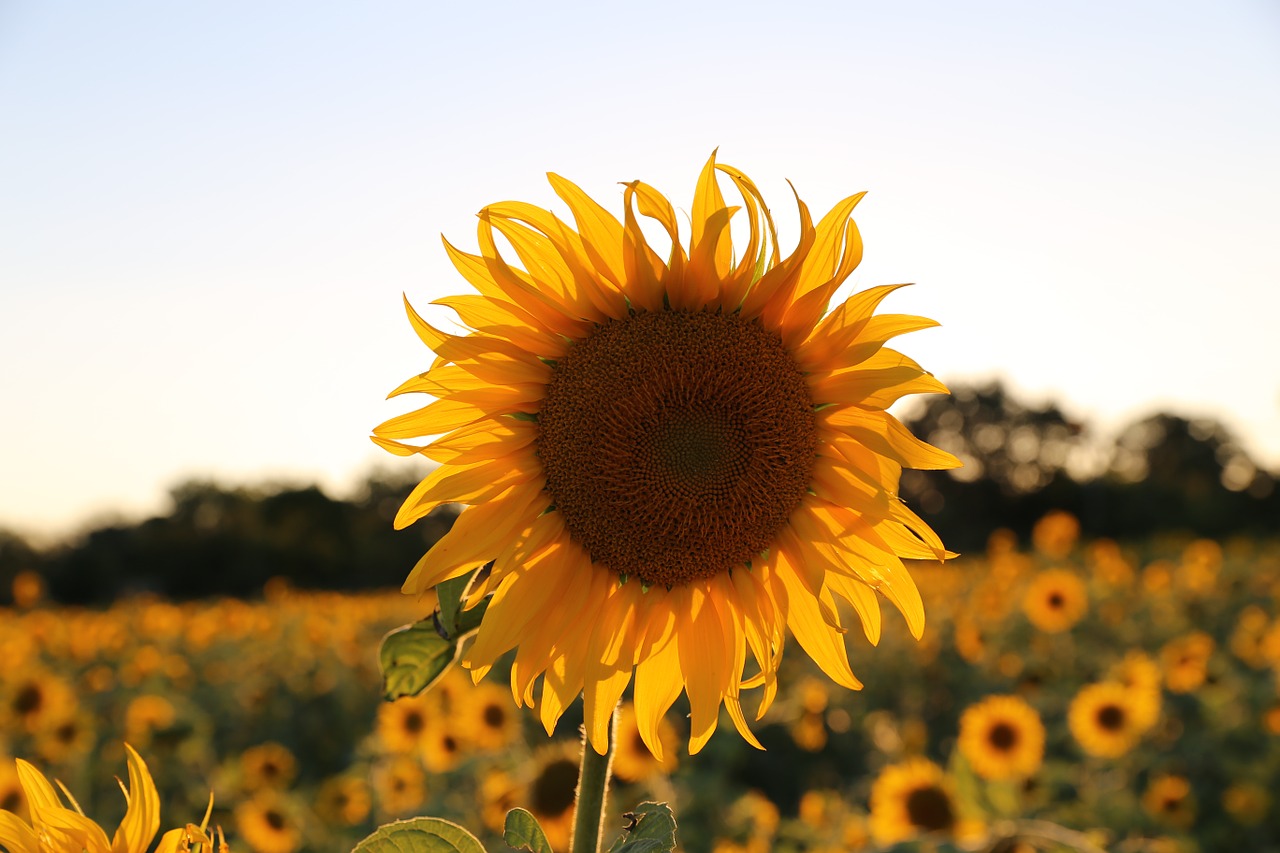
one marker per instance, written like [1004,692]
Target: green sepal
[455,623]
[522,832]
[420,835]
[413,657]
[524,416]
[651,828]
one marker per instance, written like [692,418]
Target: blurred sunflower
[1055,534]
[147,714]
[32,700]
[551,792]
[1138,673]
[1055,600]
[266,823]
[400,785]
[12,797]
[489,720]
[499,794]
[1246,802]
[70,736]
[442,747]
[268,765]
[1185,661]
[1105,718]
[632,760]
[343,800]
[627,430]
[1168,800]
[55,828]
[1002,738]
[402,724]
[910,798]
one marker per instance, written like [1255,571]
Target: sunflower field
[1066,695]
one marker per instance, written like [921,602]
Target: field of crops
[1141,713]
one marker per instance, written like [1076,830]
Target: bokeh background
[208,215]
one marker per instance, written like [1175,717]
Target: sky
[209,211]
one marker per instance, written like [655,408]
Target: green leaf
[420,835]
[522,832]
[651,828]
[413,657]
[455,622]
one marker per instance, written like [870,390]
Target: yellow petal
[610,661]
[819,640]
[17,836]
[882,433]
[142,818]
[439,417]
[659,678]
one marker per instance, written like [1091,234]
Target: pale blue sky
[208,211]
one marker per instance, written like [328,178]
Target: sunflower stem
[593,790]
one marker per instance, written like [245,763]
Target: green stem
[593,789]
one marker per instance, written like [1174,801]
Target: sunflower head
[1055,600]
[1107,719]
[678,440]
[1002,737]
[910,798]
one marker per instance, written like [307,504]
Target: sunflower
[266,823]
[909,798]
[343,800]
[1002,738]
[632,760]
[499,794]
[35,699]
[147,714]
[402,724]
[1168,799]
[12,797]
[1055,534]
[1185,661]
[1106,718]
[551,793]
[55,828]
[627,431]
[490,723]
[71,735]
[268,765]
[442,747]
[1055,600]
[400,785]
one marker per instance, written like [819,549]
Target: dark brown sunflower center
[413,722]
[494,716]
[1056,601]
[274,819]
[1003,736]
[10,801]
[930,809]
[675,443]
[1111,717]
[553,790]
[28,700]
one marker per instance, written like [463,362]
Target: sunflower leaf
[413,657]
[420,835]
[522,832]
[454,622]
[651,828]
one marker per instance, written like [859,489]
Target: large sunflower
[669,461]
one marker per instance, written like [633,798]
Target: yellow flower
[1002,738]
[268,765]
[632,760]
[1246,802]
[909,798]
[400,785]
[55,828]
[1139,674]
[1055,601]
[1185,661]
[343,800]
[628,425]
[402,724]
[146,715]
[1105,718]
[1055,534]
[35,699]
[550,795]
[266,824]
[490,722]
[1168,800]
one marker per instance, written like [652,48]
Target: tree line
[1162,473]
